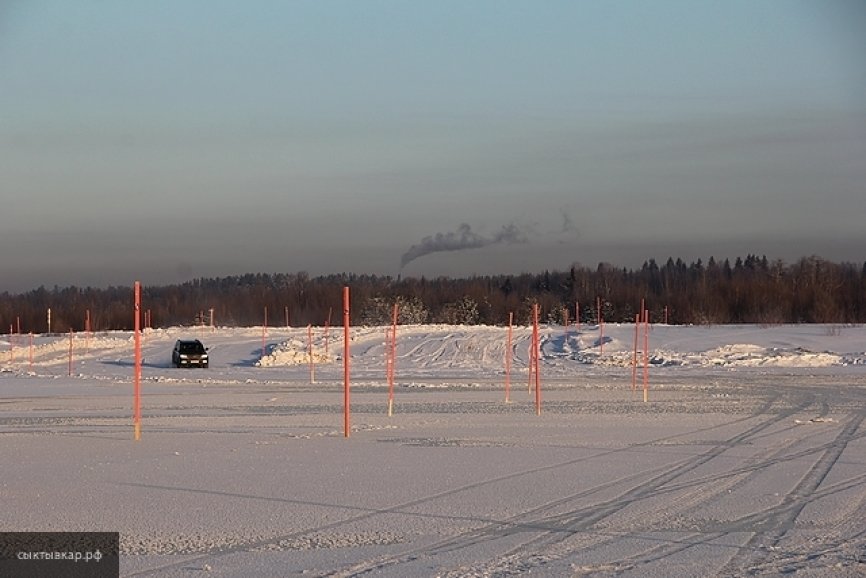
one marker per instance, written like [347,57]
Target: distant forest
[750,290]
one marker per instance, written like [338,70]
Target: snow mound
[748,355]
[292,352]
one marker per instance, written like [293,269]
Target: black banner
[60,554]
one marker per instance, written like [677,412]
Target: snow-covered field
[749,457]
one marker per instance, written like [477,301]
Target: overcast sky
[168,140]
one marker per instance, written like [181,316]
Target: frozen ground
[748,459]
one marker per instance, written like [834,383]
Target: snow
[747,457]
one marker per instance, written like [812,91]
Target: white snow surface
[746,457]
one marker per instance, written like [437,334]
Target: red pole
[634,361]
[508,359]
[535,349]
[646,356]
[531,362]
[136,416]
[310,349]
[70,351]
[598,309]
[565,314]
[327,331]
[87,331]
[264,332]
[392,360]
[600,329]
[346,354]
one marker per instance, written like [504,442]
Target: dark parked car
[189,353]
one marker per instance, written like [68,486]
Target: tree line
[750,290]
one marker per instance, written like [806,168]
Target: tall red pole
[646,356]
[346,355]
[327,331]
[264,332]
[310,349]
[508,358]
[87,331]
[565,314]
[392,360]
[531,362]
[70,351]
[136,416]
[600,329]
[634,361]
[537,355]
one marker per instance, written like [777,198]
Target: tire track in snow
[803,494]
[556,528]
[770,528]
[669,548]
[404,509]
[561,528]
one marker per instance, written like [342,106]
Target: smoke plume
[463,238]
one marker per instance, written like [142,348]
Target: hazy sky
[167,140]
